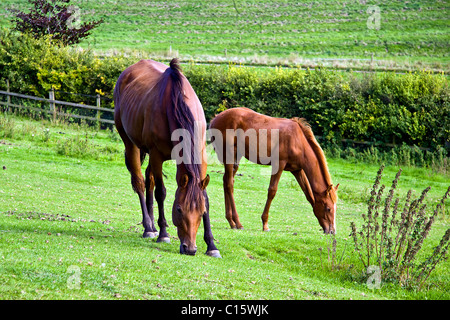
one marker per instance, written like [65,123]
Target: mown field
[411,35]
[70,222]
[70,228]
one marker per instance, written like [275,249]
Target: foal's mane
[184,119]
[307,131]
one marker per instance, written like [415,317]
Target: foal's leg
[273,187]
[133,163]
[304,184]
[160,195]
[230,205]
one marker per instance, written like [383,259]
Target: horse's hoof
[214,254]
[266,230]
[150,234]
[163,239]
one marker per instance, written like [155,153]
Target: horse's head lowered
[325,209]
[188,208]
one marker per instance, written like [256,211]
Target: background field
[67,210]
[68,215]
[412,35]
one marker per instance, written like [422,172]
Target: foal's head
[187,212]
[325,209]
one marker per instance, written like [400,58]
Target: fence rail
[52,103]
[55,112]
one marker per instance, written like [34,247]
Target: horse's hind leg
[133,163]
[149,187]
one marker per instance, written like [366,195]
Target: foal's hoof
[149,234]
[214,254]
[163,239]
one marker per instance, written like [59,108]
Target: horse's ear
[204,183]
[337,186]
[184,181]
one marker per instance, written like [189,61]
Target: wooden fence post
[51,96]
[99,101]
[8,97]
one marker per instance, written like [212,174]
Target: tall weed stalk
[334,258]
[391,238]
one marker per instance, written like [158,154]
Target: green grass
[66,216]
[412,35]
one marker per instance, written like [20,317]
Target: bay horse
[295,149]
[152,101]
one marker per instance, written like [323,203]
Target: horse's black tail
[180,111]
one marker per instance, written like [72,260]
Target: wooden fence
[53,110]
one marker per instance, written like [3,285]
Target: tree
[56,18]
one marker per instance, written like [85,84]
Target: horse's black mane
[184,119]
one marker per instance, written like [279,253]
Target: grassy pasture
[70,228]
[412,35]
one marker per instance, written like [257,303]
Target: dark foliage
[53,17]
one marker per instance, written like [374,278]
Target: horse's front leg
[160,196]
[302,180]
[230,205]
[208,236]
[273,187]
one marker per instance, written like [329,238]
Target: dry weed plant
[391,238]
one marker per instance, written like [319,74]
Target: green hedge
[410,108]
[35,66]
